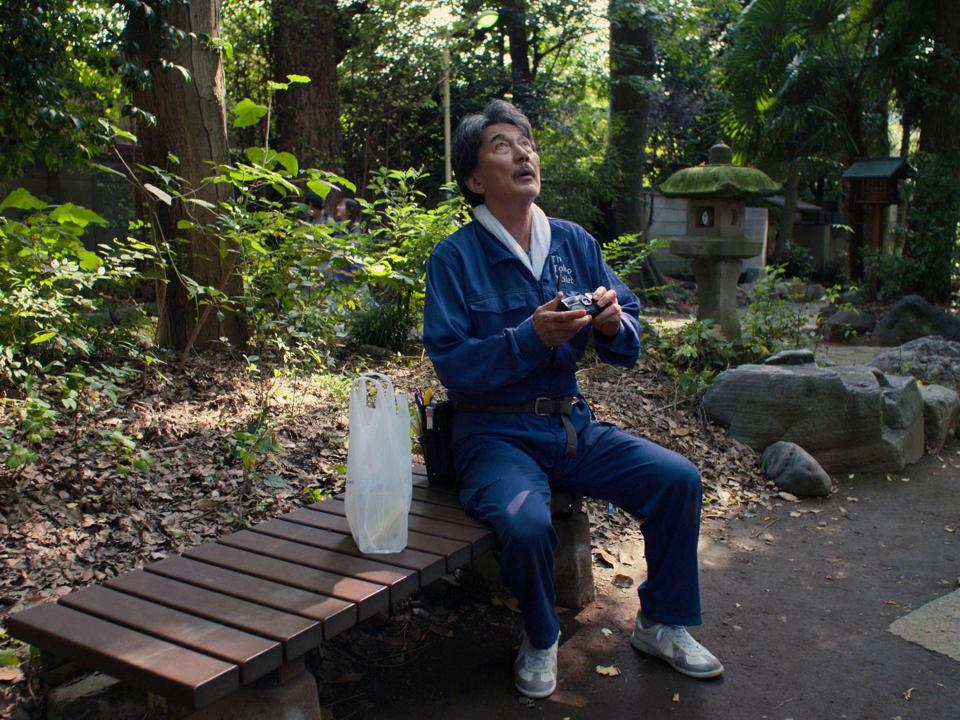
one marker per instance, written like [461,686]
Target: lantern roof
[719,178]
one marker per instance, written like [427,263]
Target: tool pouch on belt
[436,441]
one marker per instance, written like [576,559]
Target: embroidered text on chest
[564,274]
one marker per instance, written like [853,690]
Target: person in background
[318,210]
[506,349]
[348,211]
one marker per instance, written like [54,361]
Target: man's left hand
[607,321]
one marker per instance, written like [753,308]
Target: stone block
[94,697]
[940,408]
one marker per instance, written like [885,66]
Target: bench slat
[457,552]
[254,655]
[431,526]
[369,597]
[297,634]
[188,678]
[335,615]
[425,494]
[430,566]
[401,581]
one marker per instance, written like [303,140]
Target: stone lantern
[717,193]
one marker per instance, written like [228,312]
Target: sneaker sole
[536,695]
[698,674]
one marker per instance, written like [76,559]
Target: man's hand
[607,322]
[557,326]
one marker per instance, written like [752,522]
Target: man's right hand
[557,326]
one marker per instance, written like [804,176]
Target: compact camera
[581,301]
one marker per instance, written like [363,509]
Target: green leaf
[8,658]
[22,199]
[88,260]
[70,213]
[298,78]
[276,481]
[107,169]
[158,193]
[119,132]
[184,71]
[248,113]
[43,337]
[320,187]
[273,85]
[185,225]
[487,19]
[289,162]
[201,203]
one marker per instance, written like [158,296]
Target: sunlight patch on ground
[935,626]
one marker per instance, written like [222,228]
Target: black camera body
[581,301]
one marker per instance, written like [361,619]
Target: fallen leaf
[608,670]
[789,497]
[606,558]
[676,697]
[949,529]
[908,695]
[512,604]
[14,674]
[622,581]
[607,632]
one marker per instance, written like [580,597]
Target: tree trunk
[191,124]
[791,194]
[304,42]
[632,61]
[940,122]
[514,16]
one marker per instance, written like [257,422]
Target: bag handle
[385,391]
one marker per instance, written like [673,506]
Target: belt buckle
[536,406]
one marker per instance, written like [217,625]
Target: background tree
[632,64]
[174,43]
[308,39]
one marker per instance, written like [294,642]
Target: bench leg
[290,695]
[573,559]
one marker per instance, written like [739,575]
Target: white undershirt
[539,237]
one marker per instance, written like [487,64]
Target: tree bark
[305,42]
[632,62]
[191,125]
[514,16]
[940,121]
[791,194]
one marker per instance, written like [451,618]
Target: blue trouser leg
[663,489]
[515,501]
[505,487]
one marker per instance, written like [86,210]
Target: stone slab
[935,626]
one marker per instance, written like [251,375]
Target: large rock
[913,317]
[847,324]
[933,360]
[795,470]
[940,408]
[849,419]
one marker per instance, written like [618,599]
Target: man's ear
[474,185]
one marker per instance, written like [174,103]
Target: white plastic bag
[379,474]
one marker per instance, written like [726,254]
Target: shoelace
[682,639]
[538,660]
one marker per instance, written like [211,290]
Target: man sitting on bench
[506,348]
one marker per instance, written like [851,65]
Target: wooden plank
[297,634]
[369,597]
[480,534]
[254,655]
[400,581]
[187,678]
[426,494]
[430,566]
[334,614]
[457,552]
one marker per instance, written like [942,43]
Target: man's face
[340,213]
[508,167]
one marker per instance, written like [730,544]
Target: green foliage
[771,323]
[931,245]
[626,256]
[894,273]
[690,356]
[796,261]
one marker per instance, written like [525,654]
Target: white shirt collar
[539,237]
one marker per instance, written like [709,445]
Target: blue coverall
[478,331]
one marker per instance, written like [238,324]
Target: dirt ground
[797,603]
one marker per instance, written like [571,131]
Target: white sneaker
[674,645]
[535,671]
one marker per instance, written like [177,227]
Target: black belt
[562,406]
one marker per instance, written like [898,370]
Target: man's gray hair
[469,134]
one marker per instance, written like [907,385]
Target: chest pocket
[492,313]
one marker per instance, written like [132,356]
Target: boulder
[847,418]
[913,317]
[795,470]
[845,324]
[792,357]
[933,360]
[940,407]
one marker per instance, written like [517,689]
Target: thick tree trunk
[632,61]
[940,123]
[514,16]
[305,36]
[191,124]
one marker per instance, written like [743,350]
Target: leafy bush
[796,261]
[931,243]
[894,273]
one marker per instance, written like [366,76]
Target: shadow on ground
[797,603]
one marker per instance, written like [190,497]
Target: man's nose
[521,153]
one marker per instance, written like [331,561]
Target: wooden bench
[196,627]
